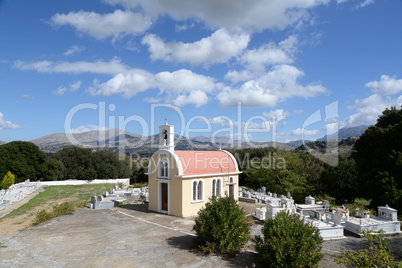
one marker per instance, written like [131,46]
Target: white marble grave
[386,221]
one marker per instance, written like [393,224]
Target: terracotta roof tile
[206,162]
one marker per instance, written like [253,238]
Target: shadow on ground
[137,207]
[242,259]
[186,242]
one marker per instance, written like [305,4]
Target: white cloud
[217,48]
[197,97]
[73,87]
[184,81]
[278,114]
[386,86]
[278,85]
[255,61]
[368,109]
[362,3]
[7,124]
[185,87]
[219,120]
[87,128]
[256,15]
[366,3]
[102,26]
[271,54]
[183,27]
[180,87]
[73,50]
[114,66]
[238,76]
[28,97]
[128,84]
[152,100]
[304,132]
[331,127]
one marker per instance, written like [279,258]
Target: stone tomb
[16,193]
[273,205]
[112,198]
[329,224]
[310,205]
[386,221]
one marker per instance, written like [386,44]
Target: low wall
[125,182]
[248,200]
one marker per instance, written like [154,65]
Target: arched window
[197,190]
[164,169]
[231,180]
[216,187]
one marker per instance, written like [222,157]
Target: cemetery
[117,195]
[17,192]
[330,223]
[386,221]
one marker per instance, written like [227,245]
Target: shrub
[354,207]
[377,255]
[8,180]
[222,227]
[63,209]
[289,242]
[43,215]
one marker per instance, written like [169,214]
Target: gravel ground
[131,237]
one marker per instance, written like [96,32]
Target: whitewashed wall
[125,182]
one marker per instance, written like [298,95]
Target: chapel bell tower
[166,136]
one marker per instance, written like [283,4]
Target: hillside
[92,139]
[119,140]
[2,142]
[345,133]
[124,141]
[342,147]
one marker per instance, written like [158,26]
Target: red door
[164,196]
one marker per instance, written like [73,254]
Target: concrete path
[112,238]
[132,237]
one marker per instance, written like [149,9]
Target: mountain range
[345,133]
[116,139]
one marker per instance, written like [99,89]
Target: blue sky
[263,70]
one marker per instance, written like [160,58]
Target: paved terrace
[129,237]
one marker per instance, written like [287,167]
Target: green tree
[342,181]
[289,242]
[378,155]
[279,171]
[89,174]
[24,159]
[378,254]
[8,180]
[75,160]
[222,227]
[54,170]
[124,169]
[106,164]
[106,171]
[139,168]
